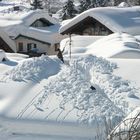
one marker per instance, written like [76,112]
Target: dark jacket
[60,55]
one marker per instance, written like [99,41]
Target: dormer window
[41,23]
[16,8]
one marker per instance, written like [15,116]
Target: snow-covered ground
[49,92]
[42,98]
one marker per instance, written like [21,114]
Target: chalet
[104,21]
[32,30]
[6,43]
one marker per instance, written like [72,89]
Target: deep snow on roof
[117,19]
[115,45]
[26,16]
[17,23]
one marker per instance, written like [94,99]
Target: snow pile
[34,69]
[72,86]
[66,95]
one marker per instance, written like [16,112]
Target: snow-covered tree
[87,4]
[69,10]
[37,4]
[129,2]
[134,2]
[47,5]
[84,5]
[52,6]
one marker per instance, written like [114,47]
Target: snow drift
[66,96]
[117,45]
[34,69]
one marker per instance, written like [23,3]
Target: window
[29,47]
[16,8]
[89,30]
[56,47]
[103,31]
[41,23]
[35,46]
[20,46]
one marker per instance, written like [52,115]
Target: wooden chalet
[88,26]
[104,21]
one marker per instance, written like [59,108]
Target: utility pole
[70,43]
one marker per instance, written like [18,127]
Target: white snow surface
[117,45]
[34,69]
[66,83]
[78,43]
[126,19]
[64,96]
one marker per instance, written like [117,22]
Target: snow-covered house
[6,43]
[31,29]
[104,21]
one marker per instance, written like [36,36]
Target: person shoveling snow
[60,55]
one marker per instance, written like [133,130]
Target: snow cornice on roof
[126,19]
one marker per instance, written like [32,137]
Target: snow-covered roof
[117,45]
[44,34]
[26,17]
[6,38]
[117,19]
[17,23]
[78,43]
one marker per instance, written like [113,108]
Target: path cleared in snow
[64,96]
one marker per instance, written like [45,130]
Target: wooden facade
[4,46]
[26,44]
[88,26]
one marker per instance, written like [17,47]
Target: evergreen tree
[37,4]
[134,2]
[84,5]
[68,10]
[87,4]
